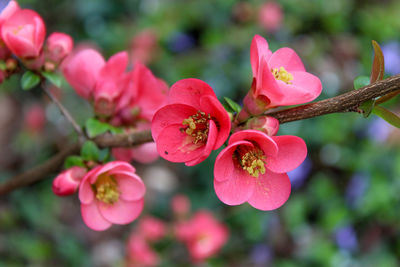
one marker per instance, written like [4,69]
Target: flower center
[197,126]
[282,74]
[251,160]
[106,189]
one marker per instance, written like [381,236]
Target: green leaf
[387,97]
[378,65]
[367,107]
[361,81]
[90,151]
[104,155]
[233,105]
[387,115]
[73,161]
[95,127]
[29,80]
[3,65]
[53,78]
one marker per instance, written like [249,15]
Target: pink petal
[189,91]
[287,58]
[115,66]
[115,167]
[309,82]
[258,50]
[265,142]
[168,115]
[92,217]
[20,46]
[271,191]
[212,106]
[40,32]
[224,165]
[266,83]
[177,146]
[211,139]
[145,153]
[292,151]
[86,194]
[130,186]
[121,212]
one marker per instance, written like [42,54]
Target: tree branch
[347,102]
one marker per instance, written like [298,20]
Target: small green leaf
[361,81]
[29,80]
[104,155]
[367,107]
[387,97]
[53,78]
[90,151]
[378,65]
[233,105]
[387,115]
[73,161]
[95,127]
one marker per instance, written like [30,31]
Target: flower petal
[92,217]
[130,186]
[265,142]
[292,151]
[309,82]
[271,191]
[287,58]
[115,66]
[121,212]
[145,153]
[258,49]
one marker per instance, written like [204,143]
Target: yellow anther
[252,161]
[197,126]
[106,189]
[282,75]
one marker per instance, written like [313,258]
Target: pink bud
[270,16]
[24,33]
[59,45]
[152,228]
[67,182]
[266,124]
[180,205]
[252,105]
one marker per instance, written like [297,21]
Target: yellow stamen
[252,161]
[106,189]
[282,75]
[197,126]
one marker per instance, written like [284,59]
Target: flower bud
[266,124]
[58,46]
[67,182]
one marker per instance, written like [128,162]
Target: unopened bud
[266,124]
[67,182]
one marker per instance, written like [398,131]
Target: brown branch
[347,102]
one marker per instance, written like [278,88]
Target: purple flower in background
[379,130]
[261,254]
[3,4]
[346,238]
[356,188]
[181,42]
[300,174]
[391,51]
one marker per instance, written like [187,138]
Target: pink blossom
[140,254]
[35,118]
[279,79]
[58,46]
[24,32]
[151,228]
[145,153]
[253,169]
[144,46]
[203,235]
[270,16]
[192,125]
[180,205]
[266,124]
[67,182]
[111,194]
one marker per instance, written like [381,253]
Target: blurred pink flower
[252,168]
[151,228]
[270,16]
[58,46]
[192,125]
[145,153]
[180,205]
[144,46]
[35,119]
[140,254]
[67,182]
[24,32]
[8,11]
[111,194]
[203,235]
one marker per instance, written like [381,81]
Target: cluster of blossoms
[253,166]
[202,234]
[22,35]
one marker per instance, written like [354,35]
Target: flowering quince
[67,182]
[180,205]
[279,79]
[151,228]
[203,235]
[58,46]
[270,16]
[266,124]
[24,32]
[192,125]
[111,194]
[253,168]
[140,254]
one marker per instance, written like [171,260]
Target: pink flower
[145,153]
[111,194]
[151,228]
[266,124]
[180,205]
[253,169]
[192,125]
[279,79]
[270,16]
[24,32]
[144,46]
[35,119]
[140,254]
[67,182]
[58,45]
[203,235]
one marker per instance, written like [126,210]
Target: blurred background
[344,206]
